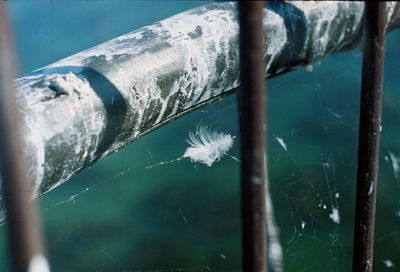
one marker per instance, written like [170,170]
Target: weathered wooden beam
[87,106]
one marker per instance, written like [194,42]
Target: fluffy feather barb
[207,146]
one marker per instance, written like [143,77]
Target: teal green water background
[121,215]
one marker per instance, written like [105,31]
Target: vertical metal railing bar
[251,103]
[23,224]
[369,134]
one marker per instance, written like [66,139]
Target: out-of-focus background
[127,213]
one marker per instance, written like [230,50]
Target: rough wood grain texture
[85,107]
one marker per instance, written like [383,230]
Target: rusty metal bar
[251,102]
[23,224]
[369,134]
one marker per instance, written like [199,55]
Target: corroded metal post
[23,224]
[252,131]
[369,134]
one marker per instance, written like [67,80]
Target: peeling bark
[85,107]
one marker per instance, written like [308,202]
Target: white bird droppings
[334,215]
[388,263]
[395,164]
[281,142]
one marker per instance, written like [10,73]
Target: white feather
[207,146]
